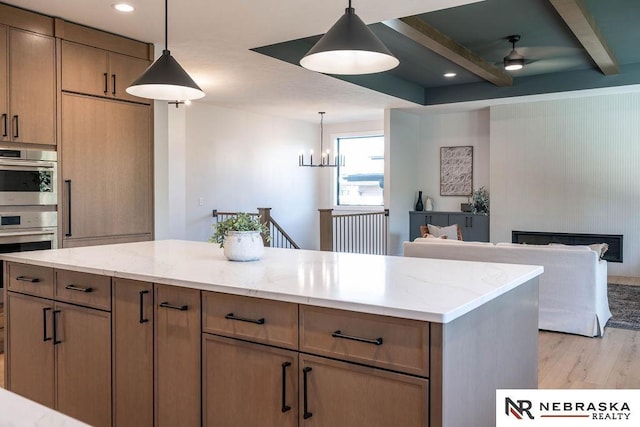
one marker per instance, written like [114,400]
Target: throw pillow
[600,248]
[451,231]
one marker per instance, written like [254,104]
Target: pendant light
[513,61]
[325,157]
[165,79]
[349,47]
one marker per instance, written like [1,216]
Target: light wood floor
[572,361]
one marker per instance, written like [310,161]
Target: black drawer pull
[142,319]
[28,279]
[68,182]
[338,334]
[230,316]
[305,372]
[174,307]
[45,338]
[55,327]
[4,125]
[16,121]
[78,288]
[285,407]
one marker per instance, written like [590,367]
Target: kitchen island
[301,337]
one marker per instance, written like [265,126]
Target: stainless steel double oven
[28,201]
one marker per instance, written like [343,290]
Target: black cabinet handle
[16,128]
[338,334]
[106,83]
[44,324]
[174,307]
[305,372]
[466,221]
[470,222]
[113,80]
[285,407]
[68,182]
[230,316]
[142,319]
[78,288]
[28,279]
[4,125]
[55,327]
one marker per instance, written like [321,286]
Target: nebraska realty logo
[560,408]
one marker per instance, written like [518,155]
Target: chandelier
[325,156]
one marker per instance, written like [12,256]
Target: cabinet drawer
[30,279]
[255,319]
[386,342]
[85,289]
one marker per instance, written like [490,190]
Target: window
[361,180]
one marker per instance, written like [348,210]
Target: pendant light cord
[321,134]
[166,25]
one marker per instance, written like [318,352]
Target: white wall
[569,166]
[239,161]
[415,161]
[450,130]
[402,142]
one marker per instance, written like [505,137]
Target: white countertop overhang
[413,288]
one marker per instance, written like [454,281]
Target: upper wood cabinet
[27,87]
[99,72]
[106,168]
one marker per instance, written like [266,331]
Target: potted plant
[241,237]
[481,201]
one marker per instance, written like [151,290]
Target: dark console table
[614,254]
[474,227]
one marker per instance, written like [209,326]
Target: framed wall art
[456,171]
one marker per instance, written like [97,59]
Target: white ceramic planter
[243,246]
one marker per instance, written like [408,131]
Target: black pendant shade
[165,80]
[349,48]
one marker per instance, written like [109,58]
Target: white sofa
[573,287]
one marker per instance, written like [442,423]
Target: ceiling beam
[419,31]
[584,27]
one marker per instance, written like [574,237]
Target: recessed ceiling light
[449,75]
[123,7]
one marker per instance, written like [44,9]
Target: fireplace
[614,254]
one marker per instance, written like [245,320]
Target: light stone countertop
[18,411]
[413,288]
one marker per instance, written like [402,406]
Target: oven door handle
[25,164]
[26,233]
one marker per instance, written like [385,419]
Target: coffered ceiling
[244,53]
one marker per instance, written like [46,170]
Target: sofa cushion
[600,248]
[451,231]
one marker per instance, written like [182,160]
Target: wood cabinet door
[123,71]
[30,355]
[85,69]
[32,88]
[107,168]
[246,384]
[340,394]
[132,332]
[4,83]
[83,363]
[177,356]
